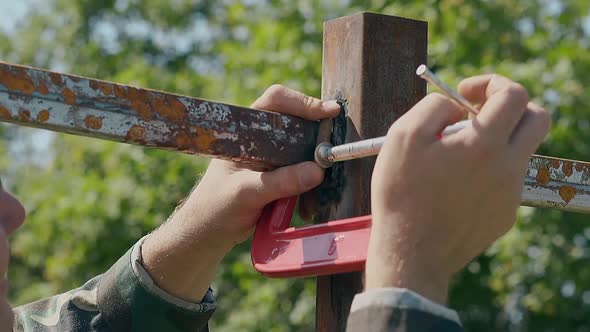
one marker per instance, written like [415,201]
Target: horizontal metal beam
[557,183]
[88,107]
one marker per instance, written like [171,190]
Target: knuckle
[274,93]
[393,129]
[465,85]
[441,102]
[275,89]
[290,185]
[403,135]
[484,150]
[544,119]
[539,115]
[517,92]
[310,105]
[397,131]
[437,99]
[308,102]
[498,77]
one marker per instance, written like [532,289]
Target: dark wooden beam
[89,107]
[369,63]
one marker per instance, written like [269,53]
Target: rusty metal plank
[88,107]
[557,183]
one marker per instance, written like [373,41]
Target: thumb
[290,180]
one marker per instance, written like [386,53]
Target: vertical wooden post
[369,63]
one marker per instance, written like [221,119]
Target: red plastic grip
[334,247]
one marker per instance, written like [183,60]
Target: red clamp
[328,248]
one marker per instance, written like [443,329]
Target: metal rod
[326,154]
[549,182]
[89,107]
[429,76]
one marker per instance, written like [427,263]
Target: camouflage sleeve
[123,299]
[399,310]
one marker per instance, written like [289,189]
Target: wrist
[398,258]
[426,284]
[182,259]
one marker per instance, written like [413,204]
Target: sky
[11,11]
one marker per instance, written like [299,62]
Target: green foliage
[89,200]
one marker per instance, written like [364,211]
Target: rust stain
[93,122]
[200,141]
[69,96]
[567,193]
[542,176]
[139,102]
[5,113]
[579,167]
[136,133]
[120,91]
[56,79]
[24,115]
[204,138]
[42,88]
[105,88]
[567,167]
[183,141]
[158,105]
[555,163]
[277,122]
[43,116]
[17,80]
[142,109]
[170,108]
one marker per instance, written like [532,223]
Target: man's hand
[183,254]
[438,203]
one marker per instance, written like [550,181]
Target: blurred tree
[88,200]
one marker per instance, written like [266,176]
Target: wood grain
[369,63]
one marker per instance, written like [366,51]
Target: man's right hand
[438,203]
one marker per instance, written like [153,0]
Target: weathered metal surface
[88,107]
[557,183]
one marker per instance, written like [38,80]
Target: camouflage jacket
[123,299]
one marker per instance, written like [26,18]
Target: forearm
[183,254]
[402,266]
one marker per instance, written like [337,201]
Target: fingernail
[330,106]
[310,175]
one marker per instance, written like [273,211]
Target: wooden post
[369,63]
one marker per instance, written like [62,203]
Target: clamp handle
[333,247]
